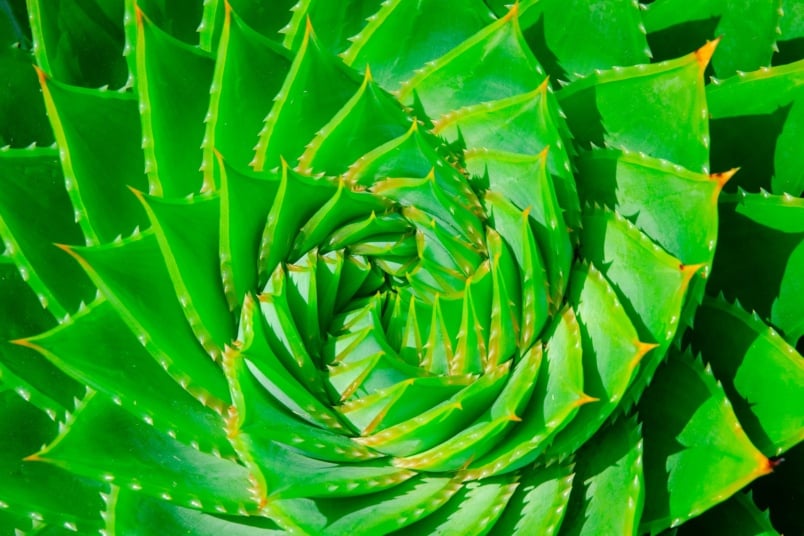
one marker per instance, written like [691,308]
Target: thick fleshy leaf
[612,352]
[80,46]
[761,373]
[483,434]
[142,458]
[133,276]
[22,112]
[369,119]
[248,71]
[539,503]
[473,510]
[98,130]
[399,37]
[178,18]
[608,109]
[767,108]
[140,515]
[246,201]
[116,364]
[760,260]
[649,282]
[31,184]
[608,471]
[674,207]
[696,454]
[26,487]
[299,111]
[268,18]
[566,36]
[555,401]
[492,64]
[377,514]
[738,516]
[187,233]
[748,30]
[337,22]
[170,97]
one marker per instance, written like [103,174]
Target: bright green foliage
[427,267]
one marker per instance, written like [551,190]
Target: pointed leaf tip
[704,54]
[723,177]
[642,349]
[513,12]
[40,74]
[689,270]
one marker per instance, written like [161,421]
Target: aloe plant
[424,267]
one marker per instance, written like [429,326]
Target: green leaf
[498,134]
[170,97]
[279,373]
[381,513]
[527,184]
[539,503]
[142,458]
[37,380]
[649,283]
[25,314]
[556,398]
[766,108]
[299,108]
[98,130]
[748,31]
[26,488]
[268,18]
[337,23]
[369,119]
[473,510]
[609,109]
[789,46]
[133,277]
[414,155]
[80,44]
[402,37]
[22,112]
[136,514]
[484,433]
[187,233]
[673,206]
[31,184]
[762,374]
[116,364]
[248,67]
[492,64]
[246,200]
[612,352]
[608,471]
[178,18]
[696,454]
[286,218]
[738,515]
[442,421]
[513,226]
[761,258]
[567,36]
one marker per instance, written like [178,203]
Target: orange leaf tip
[704,54]
[689,270]
[584,399]
[40,74]
[724,177]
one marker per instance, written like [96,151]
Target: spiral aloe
[422,267]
